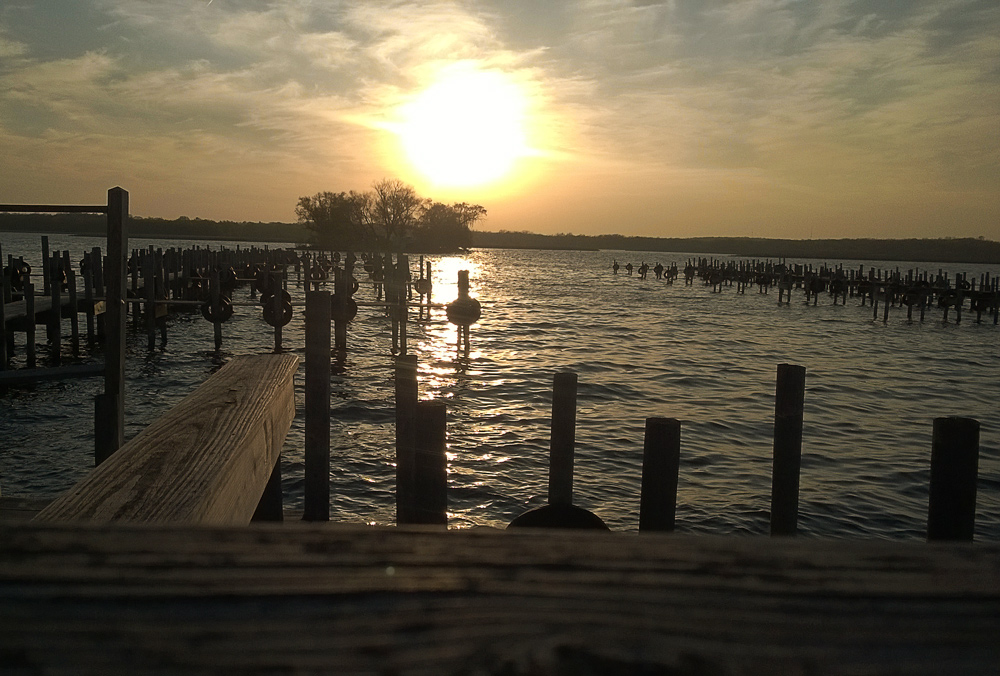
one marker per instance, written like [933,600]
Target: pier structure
[158,283]
[919,291]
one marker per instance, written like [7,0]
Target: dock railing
[214,458]
[109,409]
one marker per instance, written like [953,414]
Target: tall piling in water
[788,408]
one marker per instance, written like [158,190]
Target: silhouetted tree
[390,216]
[445,228]
[338,220]
[394,210]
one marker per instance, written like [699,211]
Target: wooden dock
[318,599]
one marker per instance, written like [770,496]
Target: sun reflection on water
[442,362]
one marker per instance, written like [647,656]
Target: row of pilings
[162,282]
[919,291]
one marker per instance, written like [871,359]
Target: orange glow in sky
[662,119]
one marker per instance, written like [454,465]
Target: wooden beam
[304,598]
[207,460]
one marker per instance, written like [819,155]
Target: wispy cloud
[781,105]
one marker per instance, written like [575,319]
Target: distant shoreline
[944,250]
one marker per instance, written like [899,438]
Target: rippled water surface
[641,349]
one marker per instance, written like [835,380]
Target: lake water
[641,349]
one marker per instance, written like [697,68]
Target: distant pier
[920,291]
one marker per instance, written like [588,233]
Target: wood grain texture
[207,460]
[336,599]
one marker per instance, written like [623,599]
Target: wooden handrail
[206,461]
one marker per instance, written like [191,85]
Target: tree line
[389,216]
[96,225]
[944,250]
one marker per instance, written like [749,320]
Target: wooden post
[563,438]
[45,266]
[88,300]
[430,290]
[29,326]
[97,259]
[661,453]
[317,407]
[954,469]
[4,357]
[136,311]
[215,298]
[430,470]
[149,291]
[406,406]
[403,287]
[276,305]
[788,408]
[74,318]
[161,310]
[392,300]
[55,313]
[109,420]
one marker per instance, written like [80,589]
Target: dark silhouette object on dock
[559,516]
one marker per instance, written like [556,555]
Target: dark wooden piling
[430,291]
[74,318]
[406,407]
[54,325]
[317,407]
[46,282]
[660,463]
[97,279]
[215,298]
[277,308]
[149,290]
[109,424]
[430,470]
[563,440]
[4,356]
[29,325]
[954,469]
[403,287]
[88,300]
[788,408]
[135,269]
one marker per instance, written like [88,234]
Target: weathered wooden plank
[302,598]
[207,460]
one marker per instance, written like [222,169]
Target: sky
[801,119]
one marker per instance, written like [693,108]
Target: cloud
[839,100]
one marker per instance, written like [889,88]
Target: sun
[467,129]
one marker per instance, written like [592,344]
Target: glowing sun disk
[465,130]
